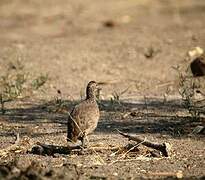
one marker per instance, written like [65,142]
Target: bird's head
[91,90]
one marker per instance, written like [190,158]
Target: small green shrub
[15,82]
[39,81]
[188,88]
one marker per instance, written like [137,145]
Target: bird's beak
[102,83]
[99,87]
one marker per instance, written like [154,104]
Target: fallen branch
[47,149]
[164,148]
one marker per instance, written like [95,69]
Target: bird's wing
[76,120]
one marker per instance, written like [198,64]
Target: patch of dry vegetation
[191,90]
[16,83]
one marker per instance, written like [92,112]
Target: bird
[84,117]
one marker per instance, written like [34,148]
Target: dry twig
[164,148]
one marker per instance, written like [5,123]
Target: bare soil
[132,46]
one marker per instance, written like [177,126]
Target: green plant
[115,99]
[39,81]
[11,88]
[188,87]
[15,82]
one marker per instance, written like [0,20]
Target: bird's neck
[90,95]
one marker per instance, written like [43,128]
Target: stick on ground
[47,149]
[164,148]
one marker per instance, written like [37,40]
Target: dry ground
[132,44]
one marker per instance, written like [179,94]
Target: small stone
[197,51]
[198,66]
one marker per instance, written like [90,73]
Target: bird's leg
[83,140]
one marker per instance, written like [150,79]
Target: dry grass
[16,83]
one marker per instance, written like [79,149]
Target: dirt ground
[131,45]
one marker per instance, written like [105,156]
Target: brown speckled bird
[84,117]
